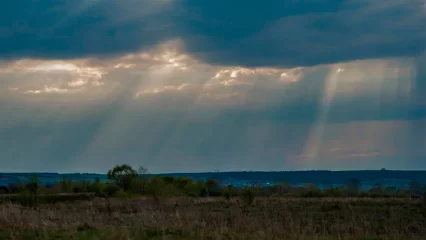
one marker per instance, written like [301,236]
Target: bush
[353,187]
[121,194]
[182,182]
[169,179]
[66,185]
[196,189]
[312,191]
[111,189]
[156,188]
[19,187]
[80,187]
[333,192]
[227,195]
[228,192]
[96,186]
[27,199]
[248,196]
[213,188]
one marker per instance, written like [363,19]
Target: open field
[216,218]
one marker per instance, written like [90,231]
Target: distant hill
[368,178]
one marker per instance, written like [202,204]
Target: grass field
[216,218]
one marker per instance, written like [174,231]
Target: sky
[195,86]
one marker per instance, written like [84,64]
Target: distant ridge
[398,178]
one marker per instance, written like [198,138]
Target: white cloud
[166,88]
[47,89]
[77,83]
[54,66]
[97,83]
[292,75]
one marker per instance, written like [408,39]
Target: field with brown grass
[217,218]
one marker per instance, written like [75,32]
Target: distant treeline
[400,179]
[124,181]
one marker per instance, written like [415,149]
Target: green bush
[182,182]
[196,189]
[156,187]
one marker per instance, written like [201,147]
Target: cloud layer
[164,109]
[278,33]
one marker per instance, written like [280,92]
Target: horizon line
[233,171]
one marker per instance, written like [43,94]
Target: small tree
[143,179]
[123,176]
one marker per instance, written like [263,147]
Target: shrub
[333,192]
[27,199]
[353,187]
[227,195]
[212,187]
[248,196]
[182,182]
[228,192]
[312,191]
[156,187]
[111,189]
[81,186]
[121,194]
[169,179]
[196,189]
[96,186]
[66,185]
[283,188]
[19,187]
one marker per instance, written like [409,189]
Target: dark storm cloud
[293,33]
[249,33]
[80,28]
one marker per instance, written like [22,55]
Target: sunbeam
[314,142]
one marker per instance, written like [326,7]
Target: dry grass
[214,218]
